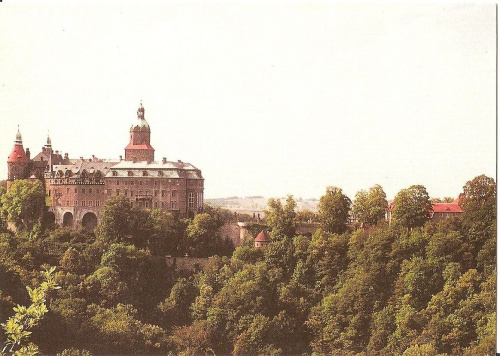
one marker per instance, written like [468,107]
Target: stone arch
[68,219]
[50,218]
[89,221]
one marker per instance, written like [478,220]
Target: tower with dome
[78,188]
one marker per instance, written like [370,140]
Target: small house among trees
[262,239]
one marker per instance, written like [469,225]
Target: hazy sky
[266,99]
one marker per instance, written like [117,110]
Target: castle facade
[78,188]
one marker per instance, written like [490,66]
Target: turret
[17,162]
[48,145]
[139,147]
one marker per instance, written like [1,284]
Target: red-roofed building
[78,188]
[17,162]
[262,239]
[439,210]
[446,210]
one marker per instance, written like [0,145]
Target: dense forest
[357,286]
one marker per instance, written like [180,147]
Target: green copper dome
[141,121]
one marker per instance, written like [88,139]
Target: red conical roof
[17,155]
[263,236]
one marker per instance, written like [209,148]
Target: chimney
[81,158]
[66,156]
[121,158]
[179,161]
[57,152]
[164,160]
[28,153]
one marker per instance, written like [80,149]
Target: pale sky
[266,99]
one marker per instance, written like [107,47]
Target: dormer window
[114,173]
[144,173]
[130,173]
[160,173]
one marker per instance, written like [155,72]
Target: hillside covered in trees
[416,287]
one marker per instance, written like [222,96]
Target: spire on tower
[49,141]
[19,139]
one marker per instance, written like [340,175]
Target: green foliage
[74,352]
[369,207]
[305,216]
[203,237]
[116,220]
[479,205]
[24,203]
[384,290]
[17,328]
[412,207]
[334,209]
[222,215]
[117,330]
[281,218]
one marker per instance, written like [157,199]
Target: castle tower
[17,162]
[139,147]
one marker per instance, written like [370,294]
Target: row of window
[156,193]
[79,181]
[146,182]
[83,190]
[85,203]
[131,174]
[91,203]
[156,205]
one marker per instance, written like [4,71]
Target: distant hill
[257,204]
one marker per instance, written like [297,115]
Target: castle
[78,188]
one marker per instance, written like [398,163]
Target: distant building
[439,210]
[262,239]
[78,188]
[446,210]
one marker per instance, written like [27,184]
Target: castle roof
[142,146]
[154,165]
[84,166]
[263,236]
[446,208]
[17,155]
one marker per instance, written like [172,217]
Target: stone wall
[190,264]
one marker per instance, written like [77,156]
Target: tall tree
[479,202]
[369,207]
[24,203]
[334,209]
[281,218]
[412,207]
[116,215]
